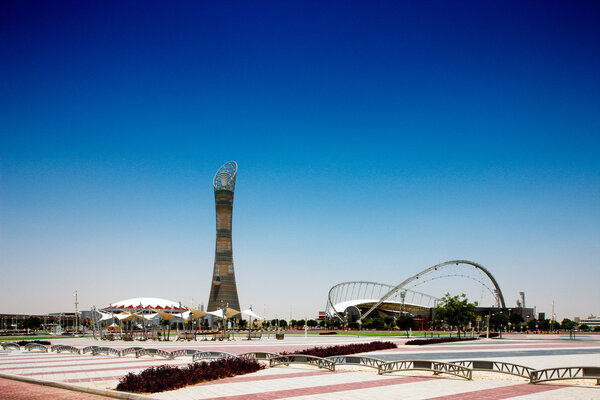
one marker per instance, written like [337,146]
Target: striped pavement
[307,382]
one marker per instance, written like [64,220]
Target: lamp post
[76,316]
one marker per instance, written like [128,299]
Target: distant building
[592,321]
[541,316]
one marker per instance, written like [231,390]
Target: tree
[597,329]
[242,323]
[456,311]
[584,327]
[405,322]
[544,325]
[32,323]
[567,324]
[532,325]
[516,319]
[498,320]
[376,323]
[389,321]
[311,323]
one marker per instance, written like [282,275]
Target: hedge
[166,377]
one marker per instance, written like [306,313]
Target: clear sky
[374,139]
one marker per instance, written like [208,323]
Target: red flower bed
[165,377]
[420,342]
[345,349]
[26,342]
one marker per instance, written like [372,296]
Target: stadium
[418,295]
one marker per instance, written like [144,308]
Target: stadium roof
[143,303]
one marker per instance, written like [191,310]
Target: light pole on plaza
[76,318]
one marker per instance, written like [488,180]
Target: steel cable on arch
[499,295]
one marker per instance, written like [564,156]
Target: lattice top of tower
[225,176]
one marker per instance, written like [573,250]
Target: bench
[254,335]
[186,336]
[222,336]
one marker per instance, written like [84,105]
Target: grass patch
[421,342]
[17,338]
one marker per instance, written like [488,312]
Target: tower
[223,290]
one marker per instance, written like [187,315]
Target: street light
[76,317]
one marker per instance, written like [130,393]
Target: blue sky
[374,139]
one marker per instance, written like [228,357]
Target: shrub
[419,342]
[26,342]
[492,335]
[166,377]
[345,349]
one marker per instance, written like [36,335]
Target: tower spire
[223,288]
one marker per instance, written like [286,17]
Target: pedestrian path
[307,382]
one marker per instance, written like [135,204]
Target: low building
[592,321]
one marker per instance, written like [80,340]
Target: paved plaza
[100,374]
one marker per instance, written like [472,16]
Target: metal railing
[36,347]
[64,348]
[357,360]
[88,349]
[557,374]
[152,352]
[212,355]
[437,367]
[302,359]
[107,351]
[183,353]
[496,366]
[258,355]
[11,345]
[130,350]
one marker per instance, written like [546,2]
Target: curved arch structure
[396,289]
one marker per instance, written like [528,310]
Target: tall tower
[223,290]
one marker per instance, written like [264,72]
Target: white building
[591,321]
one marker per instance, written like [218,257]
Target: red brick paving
[282,394]
[499,393]
[38,366]
[74,371]
[269,377]
[15,390]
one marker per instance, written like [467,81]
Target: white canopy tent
[104,316]
[217,313]
[250,314]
